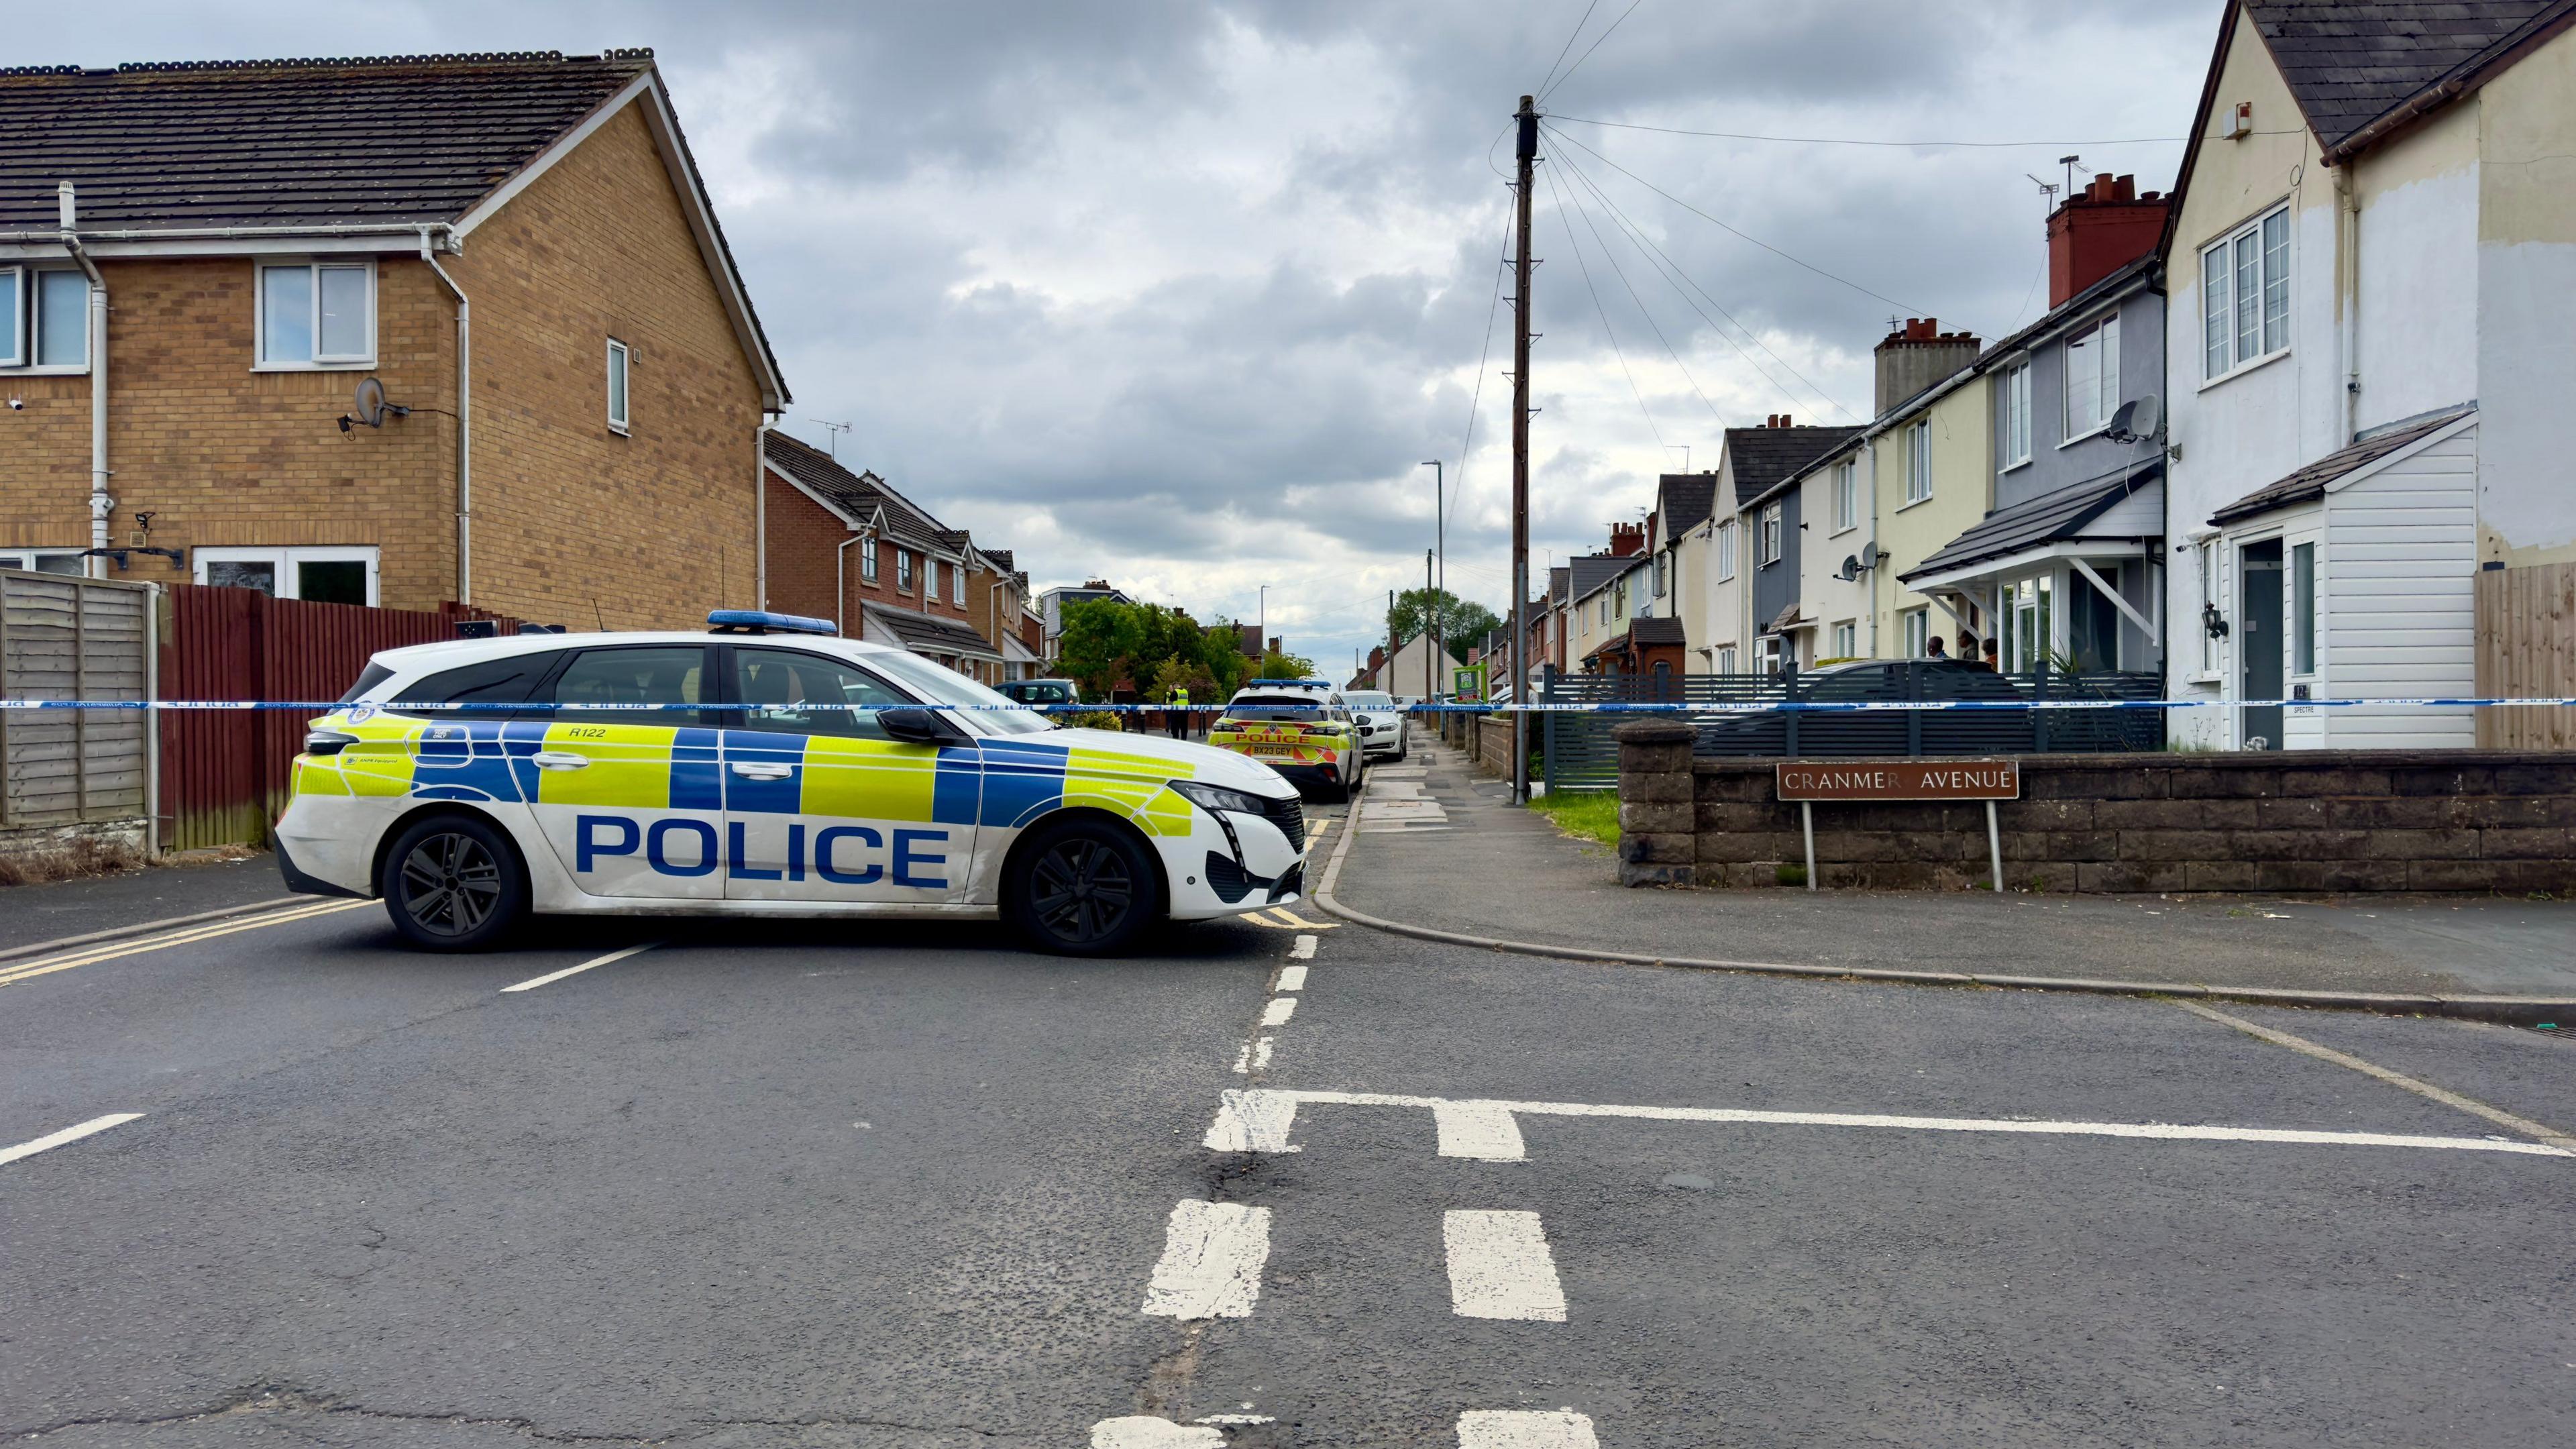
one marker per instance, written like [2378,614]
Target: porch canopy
[2101,521]
[942,641]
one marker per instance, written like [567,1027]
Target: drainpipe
[840,578]
[760,516]
[2348,217]
[464,426]
[100,505]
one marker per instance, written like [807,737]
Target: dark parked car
[2008,731]
[1040,691]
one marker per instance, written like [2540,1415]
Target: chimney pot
[70,208]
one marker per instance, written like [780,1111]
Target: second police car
[1298,727]
[530,781]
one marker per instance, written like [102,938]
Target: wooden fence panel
[65,637]
[2527,650]
[225,775]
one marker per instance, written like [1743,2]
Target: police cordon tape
[370,710]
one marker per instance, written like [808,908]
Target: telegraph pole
[1527,152]
[1386,678]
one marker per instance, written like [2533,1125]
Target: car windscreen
[1271,708]
[992,713]
[1369,701]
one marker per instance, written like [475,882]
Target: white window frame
[1846,496]
[1726,550]
[28,558]
[23,342]
[319,362]
[957,585]
[2017,417]
[2303,612]
[1769,658]
[902,571]
[2274,269]
[1917,631]
[621,387]
[1847,639]
[284,561]
[2105,332]
[1918,462]
[1723,659]
[1773,531]
[868,559]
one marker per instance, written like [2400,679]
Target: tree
[1463,623]
[1099,644]
[1275,665]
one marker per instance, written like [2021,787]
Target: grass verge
[1588,815]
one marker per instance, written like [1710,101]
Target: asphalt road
[911,1187]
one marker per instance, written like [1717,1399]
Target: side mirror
[919,727]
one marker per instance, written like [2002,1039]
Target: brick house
[847,547]
[516,249]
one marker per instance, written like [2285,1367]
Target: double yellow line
[135,946]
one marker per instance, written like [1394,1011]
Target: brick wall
[803,535]
[572,521]
[2339,821]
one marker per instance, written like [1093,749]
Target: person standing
[1177,714]
[1933,648]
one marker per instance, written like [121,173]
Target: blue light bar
[757,621]
[1304,683]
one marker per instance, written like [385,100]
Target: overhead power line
[1612,332]
[1570,37]
[1675,278]
[1791,258]
[1595,45]
[1475,402]
[1622,274]
[1857,141]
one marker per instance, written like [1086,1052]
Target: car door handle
[559,760]
[762,770]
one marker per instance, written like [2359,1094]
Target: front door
[629,798]
[821,806]
[2258,643]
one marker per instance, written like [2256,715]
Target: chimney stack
[1627,539]
[2098,231]
[1918,355]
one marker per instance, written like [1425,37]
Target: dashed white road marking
[1259,1120]
[52,1140]
[1254,1057]
[1482,1130]
[1521,1429]
[1293,978]
[1235,1419]
[1278,1011]
[1211,1265]
[553,976]
[1499,1267]
[1304,950]
[1141,1432]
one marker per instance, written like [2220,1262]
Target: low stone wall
[2342,820]
[1494,744]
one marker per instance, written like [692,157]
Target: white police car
[471,782]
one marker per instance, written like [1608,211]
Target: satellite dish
[372,409]
[1852,568]
[2136,419]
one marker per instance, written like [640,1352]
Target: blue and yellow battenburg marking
[1008,782]
[1317,744]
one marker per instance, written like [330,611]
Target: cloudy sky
[1182,293]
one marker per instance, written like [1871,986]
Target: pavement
[1565,892]
[1274,1182]
[30,915]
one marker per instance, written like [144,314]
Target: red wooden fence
[224,775]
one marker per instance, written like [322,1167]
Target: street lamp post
[1440,547]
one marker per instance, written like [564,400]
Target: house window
[619,357]
[1918,632]
[957,584]
[2092,377]
[44,317]
[319,575]
[1770,658]
[1770,534]
[317,316]
[903,570]
[1846,495]
[2245,296]
[868,561]
[1725,659]
[1726,549]
[42,560]
[1605,609]
[1847,640]
[2017,416]
[2303,608]
[2029,630]
[1918,461]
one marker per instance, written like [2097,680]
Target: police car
[1298,727]
[471,782]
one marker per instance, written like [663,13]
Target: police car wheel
[1083,888]
[453,883]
